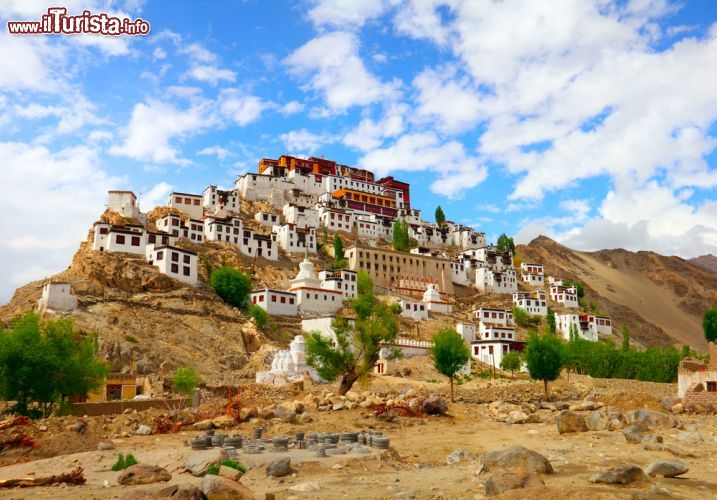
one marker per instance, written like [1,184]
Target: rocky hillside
[660,299]
[708,262]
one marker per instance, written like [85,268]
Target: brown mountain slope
[708,262]
[660,299]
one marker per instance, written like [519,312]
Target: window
[103,230]
[186,259]
[711,386]
[186,271]
[175,257]
[283,300]
[160,255]
[120,239]
[196,203]
[261,298]
[175,268]
[291,300]
[135,241]
[273,298]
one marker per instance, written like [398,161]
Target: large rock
[635,433]
[503,481]
[144,430]
[570,421]
[279,468]
[143,474]
[230,473]
[623,474]
[458,456]
[177,492]
[434,405]
[667,468]
[266,413]
[597,421]
[248,413]
[203,425]
[517,417]
[285,414]
[221,488]
[690,437]
[653,419]
[517,457]
[199,461]
[224,422]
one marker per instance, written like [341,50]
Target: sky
[593,122]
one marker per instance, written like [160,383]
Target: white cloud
[578,209]
[156,196]
[420,19]
[303,142]
[203,65]
[343,13]
[291,107]
[240,107]
[155,124]
[333,67]
[424,151]
[53,197]
[159,53]
[370,134]
[217,151]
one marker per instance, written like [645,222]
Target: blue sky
[593,122]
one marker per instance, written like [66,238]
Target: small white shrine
[287,365]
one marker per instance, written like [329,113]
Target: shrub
[185,380]
[396,308]
[232,285]
[214,468]
[709,325]
[259,314]
[522,318]
[124,461]
[130,338]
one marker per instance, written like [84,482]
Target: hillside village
[141,280]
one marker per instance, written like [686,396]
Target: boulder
[105,446]
[677,409]
[285,414]
[305,418]
[615,425]
[338,406]
[516,417]
[503,481]
[669,401]
[266,413]
[653,419]
[279,468]
[623,474]
[570,421]
[203,425]
[597,421]
[458,456]
[248,413]
[230,473]
[143,474]
[517,457]
[178,492]
[690,437]
[353,397]
[144,430]
[198,462]
[221,488]
[667,468]
[434,405]
[679,451]
[635,433]
[224,422]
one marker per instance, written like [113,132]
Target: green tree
[511,362]
[338,248]
[401,241]
[354,349]
[625,339]
[232,285]
[45,362]
[185,380]
[260,315]
[450,353]
[522,318]
[579,286]
[544,356]
[709,325]
[505,244]
[440,216]
[551,321]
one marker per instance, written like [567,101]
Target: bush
[185,380]
[524,319]
[214,468]
[396,308]
[130,338]
[709,325]
[259,314]
[232,285]
[124,461]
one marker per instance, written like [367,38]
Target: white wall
[275,302]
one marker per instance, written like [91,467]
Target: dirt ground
[415,466]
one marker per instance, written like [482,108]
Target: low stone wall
[116,407]
[700,402]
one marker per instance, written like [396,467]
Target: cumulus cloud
[304,142]
[332,64]
[457,170]
[157,195]
[204,65]
[217,151]
[370,134]
[342,13]
[54,195]
[241,108]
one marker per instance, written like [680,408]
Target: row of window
[187,201]
[273,299]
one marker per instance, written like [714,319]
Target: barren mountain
[660,299]
[708,262]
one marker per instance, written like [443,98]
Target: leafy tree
[354,349]
[505,244]
[625,339]
[511,362]
[709,324]
[578,286]
[401,240]
[259,314]
[552,326]
[185,380]
[522,318]
[544,357]
[232,285]
[450,353]
[338,248]
[440,216]
[45,363]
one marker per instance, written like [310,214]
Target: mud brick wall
[699,399]
[115,407]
